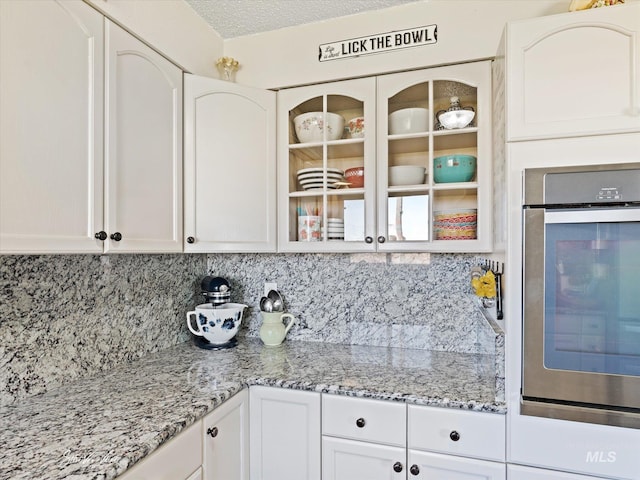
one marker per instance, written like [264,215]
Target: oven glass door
[592,291]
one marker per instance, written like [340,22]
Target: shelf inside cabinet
[408,189]
[346,148]
[414,143]
[455,186]
[460,142]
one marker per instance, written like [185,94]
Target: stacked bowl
[313,178]
[455,224]
[334,229]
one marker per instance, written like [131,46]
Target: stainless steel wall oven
[581,294]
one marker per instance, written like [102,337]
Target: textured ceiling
[235,18]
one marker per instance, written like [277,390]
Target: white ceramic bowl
[409,120]
[406,175]
[456,118]
[310,126]
[217,324]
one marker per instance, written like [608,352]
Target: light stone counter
[96,428]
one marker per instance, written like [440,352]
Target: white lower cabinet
[457,432]
[284,434]
[214,448]
[367,439]
[179,459]
[353,460]
[517,472]
[363,439]
[226,440]
[435,466]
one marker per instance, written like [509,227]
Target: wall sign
[380,43]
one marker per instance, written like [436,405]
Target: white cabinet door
[352,460]
[230,167]
[51,128]
[574,74]
[226,440]
[309,168]
[143,155]
[179,459]
[516,472]
[285,434]
[434,466]
[439,214]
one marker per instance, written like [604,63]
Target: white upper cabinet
[450,209]
[86,166]
[574,74]
[321,210]
[143,158]
[230,167]
[311,161]
[51,127]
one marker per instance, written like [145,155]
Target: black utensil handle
[499,313]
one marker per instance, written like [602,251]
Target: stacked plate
[312,178]
[455,224]
[334,229]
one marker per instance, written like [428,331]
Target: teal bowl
[454,168]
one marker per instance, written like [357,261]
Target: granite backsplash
[67,316]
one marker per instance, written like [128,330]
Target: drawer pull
[116,237]
[101,235]
[455,436]
[397,467]
[212,432]
[415,469]
[360,422]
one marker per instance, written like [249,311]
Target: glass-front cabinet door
[326,167]
[434,160]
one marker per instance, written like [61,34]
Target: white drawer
[458,432]
[364,419]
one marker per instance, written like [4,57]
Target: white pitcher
[273,329]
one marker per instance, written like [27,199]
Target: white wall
[467,30]
[170,26]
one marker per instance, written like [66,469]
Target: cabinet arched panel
[574,74]
[143,155]
[51,127]
[229,178]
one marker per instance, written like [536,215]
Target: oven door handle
[592,215]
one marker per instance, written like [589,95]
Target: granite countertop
[96,428]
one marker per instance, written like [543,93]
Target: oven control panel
[589,187]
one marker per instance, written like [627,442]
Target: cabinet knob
[360,422]
[397,467]
[191,240]
[212,432]
[455,436]
[381,239]
[368,239]
[116,237]
[101,235]
[414,469]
